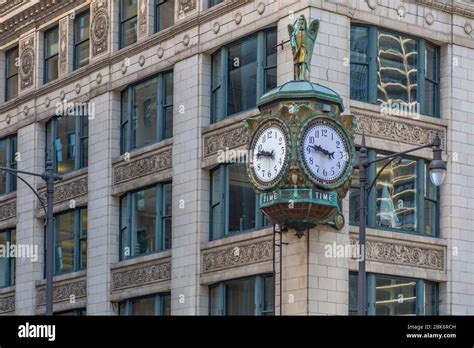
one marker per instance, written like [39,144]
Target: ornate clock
[325,152]
[269,152]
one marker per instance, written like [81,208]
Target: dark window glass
[51,50]
[214,2]
[128,22]
[67,142]
[431,298]
[353,293]
[11,74]
[8,151]
[216,93]
[7,263]
[244,296]
[271,60]
[81,40]
[431,204]
[159,304]
[147,112]
[431,80]
[359,63]
[164,15]
[75,312]
[395,296]
[146,223]
[70,241]
[396,195]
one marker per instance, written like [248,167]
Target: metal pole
[362,277]
[49,177]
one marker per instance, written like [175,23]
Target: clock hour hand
[323,151]
[265,154]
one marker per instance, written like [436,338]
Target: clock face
[269,154]
[325,152]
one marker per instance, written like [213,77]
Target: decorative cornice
[68,190]
[462,8]
[63,292]
[221,139]
[397,129]
[7,210]
[142,274]
[403,253]
[150,164]
[7,303]
[237,255]
[9,5]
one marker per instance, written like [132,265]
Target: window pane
[396,195]
[430,98]
[125,243]
[124,116]
[166,303]
[129,32]
[65,242]
[51,38]
[430,62]
[215,202]
[359,44]
[268,296]
[395,296]
[431,305]
[143,305]
[52,69]
[241,199]
[144,115]
[11,58]
[4,263]
[82,54]
[397,69]
[84,239]
[3,163]
[82,28]
[242,81]
[359,82]
[164,14]
[65,144]
[240,297]
[167,212]
[271,74]
[12,87]
[354,202]
[128,8]
[214,2]
[353,293]
[144,222]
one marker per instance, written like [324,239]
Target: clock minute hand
[265,154]
[323,151]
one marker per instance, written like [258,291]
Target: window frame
[259,284]
[47,59]
[160,235]
[80,159]
[159,304]
[123,21]
[77,44]
[260,221]
[261,37]
[157,25]
[126,136]
[11,274]
[420,198]
[11,150]
[372,50]
[9,76]
[77,238]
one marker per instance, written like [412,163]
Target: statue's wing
[313,29]
[291,28]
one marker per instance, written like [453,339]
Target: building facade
[140,103]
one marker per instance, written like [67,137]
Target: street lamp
[49,176]
[437,171]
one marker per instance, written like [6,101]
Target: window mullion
[372,54]
[420,297]
[159,109]
[258,295]
[224,70]
[371,294]
[159,218]
[420,196]
[261,36]
[132,226]
[421,76]
[225,199]
[131,112]
[9,177]
[222,296]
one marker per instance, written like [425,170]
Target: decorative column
[27,55]
[100,26]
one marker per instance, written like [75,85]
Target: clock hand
[265,154]
[323,151]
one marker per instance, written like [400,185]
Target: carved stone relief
[27,61]
[229,138]
[140,275]
[7,210]
[100,24]
[63,45]
[7,303]
[63,292]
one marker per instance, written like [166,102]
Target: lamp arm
[367,163]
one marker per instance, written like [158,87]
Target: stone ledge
[65,286]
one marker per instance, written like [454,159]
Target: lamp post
[437,170]
[49,177]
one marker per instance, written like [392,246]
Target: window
[234,206]
[8,149]
[398,71]
[147,112]
[159,304]
[67,141]
[81,40]
[389,295]
[403,197]
[7,264]
[51,57]
[241,73]
[214,2]
[145,223]
[245,296]
[164,14]
[128,22]
[74,312]
[70,241]
[11,74]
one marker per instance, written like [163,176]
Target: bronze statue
[302,44]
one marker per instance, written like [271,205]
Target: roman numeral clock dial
[325,152]
[269,148]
